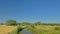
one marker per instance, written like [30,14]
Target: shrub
[1,23]
[37,23]
[17,30]
[57,28]
[32,26]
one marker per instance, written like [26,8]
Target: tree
[18,23]
[11,22]
[1,23]
[26,23]
[37,23]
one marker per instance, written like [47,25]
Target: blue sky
[30,10]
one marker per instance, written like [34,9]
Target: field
[6,29]
[38,29]
[45,29]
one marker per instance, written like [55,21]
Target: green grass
[18,28]
[47,32]
[52,32]
[15,31]
[40,31]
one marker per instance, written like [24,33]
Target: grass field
[39,29]
[5,29]
[45,29]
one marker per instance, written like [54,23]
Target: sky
[30,10]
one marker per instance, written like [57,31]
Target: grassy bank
[4,29]
[43,29]
[38,29]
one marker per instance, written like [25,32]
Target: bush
[57,28]
[1,23]
[17,30]
[37,23]
[32,26]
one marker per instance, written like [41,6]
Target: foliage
[15,31]
[37,23]
[26,23]
[10,22]
[18,23]
[32,26]
[1,23]
[57,28]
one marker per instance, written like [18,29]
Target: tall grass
[15,31]
[56,30]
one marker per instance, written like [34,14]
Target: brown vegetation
[5,29]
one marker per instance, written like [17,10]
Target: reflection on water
[26,31]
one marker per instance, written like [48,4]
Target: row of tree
[14,22]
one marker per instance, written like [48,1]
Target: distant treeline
[14,22]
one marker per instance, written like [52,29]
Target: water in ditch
[26,31]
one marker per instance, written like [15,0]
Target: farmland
[11,27]
[6,29]
[39,29]
[43,29]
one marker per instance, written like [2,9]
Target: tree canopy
[11,22]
